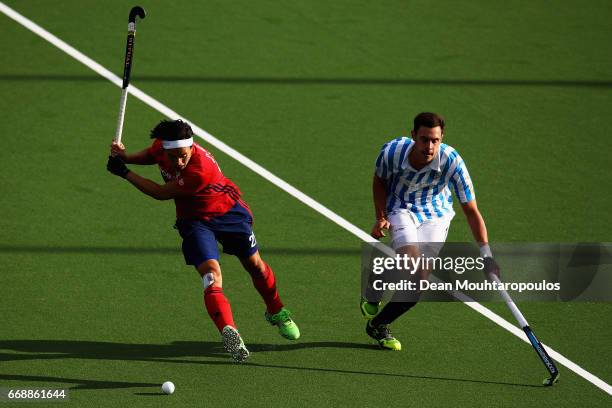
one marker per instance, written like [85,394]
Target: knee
[210,271]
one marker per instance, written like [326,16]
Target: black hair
[428,119]
[171,130]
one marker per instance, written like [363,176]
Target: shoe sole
[233,345]
[365,314]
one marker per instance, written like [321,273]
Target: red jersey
[209,192]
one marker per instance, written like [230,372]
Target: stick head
[136,11]
[549,382]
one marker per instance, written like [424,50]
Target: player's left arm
[464,189]
[479,231]
[476,222]
[167,191]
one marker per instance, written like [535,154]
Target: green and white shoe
[286,327]
[233,344]
[383,336]
[369,309]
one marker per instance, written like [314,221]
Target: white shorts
[429,236]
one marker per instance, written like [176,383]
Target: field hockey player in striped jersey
[413,200]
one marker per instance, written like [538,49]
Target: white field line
[326,212]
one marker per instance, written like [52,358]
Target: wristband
[485,251]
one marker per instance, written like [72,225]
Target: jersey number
[252,240]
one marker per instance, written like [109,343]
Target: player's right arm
[379,193]
[382,170]
[141,157]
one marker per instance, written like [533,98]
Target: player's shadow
[60,349]
[180,352]
[79,383]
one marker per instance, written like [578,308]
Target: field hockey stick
[535,343]
[129,56]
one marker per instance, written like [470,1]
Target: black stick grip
[129,48]
[129,52]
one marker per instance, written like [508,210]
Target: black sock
[391,311]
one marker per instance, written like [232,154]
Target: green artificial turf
[94,292]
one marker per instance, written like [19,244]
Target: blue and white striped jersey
[425,193]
